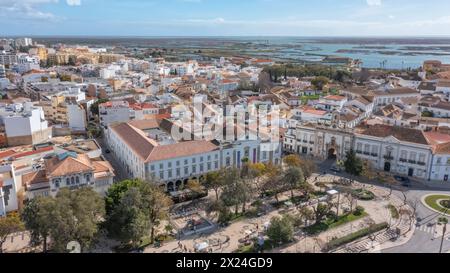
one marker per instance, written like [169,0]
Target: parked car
[406,182]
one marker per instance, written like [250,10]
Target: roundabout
[437,202]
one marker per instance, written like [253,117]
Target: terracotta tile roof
[335,98]
[442,148]
[34,178]
[102,166]
[70,165]
[7,154]
[182,149]
[135,139]
[149,150]
[145,124]
[437,138]
[400,133]
[396,91]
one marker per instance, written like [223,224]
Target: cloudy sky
[226,17]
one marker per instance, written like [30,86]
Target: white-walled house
[68,170]
[76,117]
[25,124]
[8,189]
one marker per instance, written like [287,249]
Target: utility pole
[443,221]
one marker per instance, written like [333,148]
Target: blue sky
[225,17]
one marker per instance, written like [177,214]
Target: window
[359,147]
[194,160]
[366,148]
[161,175]
[178,172]
[421,158]
[72,181]
[169,165]
[439,160]
[194,169]
[186,171]
[228,161]
[216,164]
[161,166]
[201,159]
[178,163]
[152,167]
[209,157]
[67,181]
[404,155]
[201,168]
[169,174]
[216,156]
[77,180]
[209,166]
[186,162]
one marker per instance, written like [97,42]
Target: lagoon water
[374,53]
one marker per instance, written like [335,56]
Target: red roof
[7,154]
[42,150]
[334,97]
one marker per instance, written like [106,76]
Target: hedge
[356,235]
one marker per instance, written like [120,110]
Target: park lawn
[305,99]
[432,201]
[330,224]
[394,211]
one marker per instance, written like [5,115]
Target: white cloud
[374,2]
[30,9]
[73,2]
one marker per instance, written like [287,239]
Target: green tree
[234,190]
[38,218]
[274,183]
[293,178]
[129,222]
[133,208]
[117,191]
[77,216]
[8,225]
[281,230]
[156,205]
[320,82]
[353,165]
[321,211]
[94,106]
[214,181]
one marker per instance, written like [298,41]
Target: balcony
[403,160]
[421,163]
[412,161]
[388,157]
[374,154]
[359,152]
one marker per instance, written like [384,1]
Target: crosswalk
[431,229]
